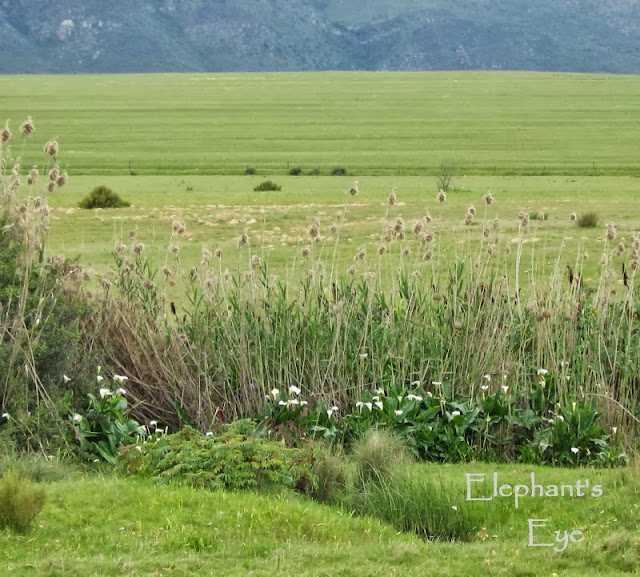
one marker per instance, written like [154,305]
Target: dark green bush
[314,172]
[267,185]
[103,197]
[295,171]
[339,171]
[233,460]
[588,220]
[249,170]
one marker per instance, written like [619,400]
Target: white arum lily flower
[415,383]
[121,392]
[282,403]
[153,423]
[398,413]
[303,403]
[359,405]
[487,377]
[369,406]
[378,404]
[293,402]
[208,434]
[65,378]
[414,397]
[275,393]
[105,393]
[575,450]
[614,429]
[6,416]
[293,390]
[436,383]
[77,418]
[378,391]
[505,388]
[455,413]
[363,355]
[99,378]
[454,507]
[120,379]
[542,372]
[484,387]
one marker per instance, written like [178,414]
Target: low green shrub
[232,459]
[20,502]
[103,197]
[295,171]
[377,454]
[588,220]
[266,186]
[249,170]
[339,171]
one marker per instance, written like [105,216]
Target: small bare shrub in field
[588,220]
[20,502]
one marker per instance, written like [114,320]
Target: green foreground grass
[108,526]
[369,123]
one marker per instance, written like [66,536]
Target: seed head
[406,251]
[255,261]
[5,135]
[442,197]
[175,249]
[27,128]
[33,175]
[54,173]
[351,270]
[305,252]
[51,148]
[427,217]
[217,253]
[148,284]
[361,254]
[392,197]
[382,249]
[314,230]
[354,189]
[485,232]
[206,256]
[243,240]
[573,217]
[468,220]
[541,215]
[417,227]
[634,264]
[495,223]
[51,186]
[611,232]
[138,247]
[488,198]
[471,210]
[427,256]
[334,228]
[62,179]
[166,271]
[620,248]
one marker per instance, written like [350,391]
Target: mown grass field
[108,526]
[369,123]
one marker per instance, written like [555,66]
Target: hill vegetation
[236,35]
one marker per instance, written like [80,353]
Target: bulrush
[51,148]
[5,135]
[27,128]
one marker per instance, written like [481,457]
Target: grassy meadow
[370,123]
[107,526]
[385,289]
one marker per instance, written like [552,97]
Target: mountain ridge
[73,36]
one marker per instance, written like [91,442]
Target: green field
[369,123]
[108,526]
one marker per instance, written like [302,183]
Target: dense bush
[295,171]
[20,502]
[103,197]
[249,170]
[267,185]
[233,459]
[588,220]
